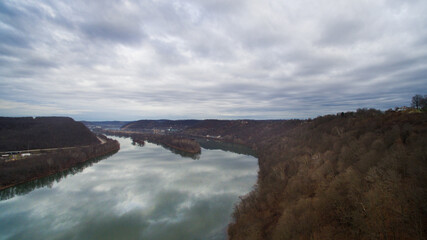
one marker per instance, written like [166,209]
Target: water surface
[139,193]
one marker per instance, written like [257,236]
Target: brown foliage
[352,176]
[40,165]
[170,141]
[43,132]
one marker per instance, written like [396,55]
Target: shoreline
[167,140]
[55,172]
[181,149]
[54,162]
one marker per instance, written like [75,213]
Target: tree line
[43,132]
[419,102]
[41,165]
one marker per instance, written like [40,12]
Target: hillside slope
[253,133]
[69,143]
[43,132]
[44,164]
[348,176]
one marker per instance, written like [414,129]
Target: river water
[144,192]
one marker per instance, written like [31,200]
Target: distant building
[209,136]
[158,131]
[402,109]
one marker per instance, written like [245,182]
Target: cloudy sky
[227,59]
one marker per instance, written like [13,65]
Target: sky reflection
[139,193]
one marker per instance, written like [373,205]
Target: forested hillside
[72,142]
[356,175]
[44,164]
[43,132]
[252,133]
[353,176]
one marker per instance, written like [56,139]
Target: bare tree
[423,103]
[416,101]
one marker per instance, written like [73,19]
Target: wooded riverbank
[176,142]
[44,164]
[354,175]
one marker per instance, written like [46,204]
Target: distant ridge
[58,143]
[43,132]
[160,124]
[105,124]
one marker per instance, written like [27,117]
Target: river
[144,192]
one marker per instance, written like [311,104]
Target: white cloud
[209,59]
[27,109]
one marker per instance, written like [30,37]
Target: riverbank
[196,198]
[176,142]
[48,163]
[354,175]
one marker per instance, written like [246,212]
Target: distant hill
[247,132]
[43,132]
[105,124]
[160,124]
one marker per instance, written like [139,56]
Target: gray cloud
[341,31]
[209,59]
[122,33]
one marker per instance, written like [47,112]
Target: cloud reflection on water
[139,193]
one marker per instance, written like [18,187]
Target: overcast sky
[226,59]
